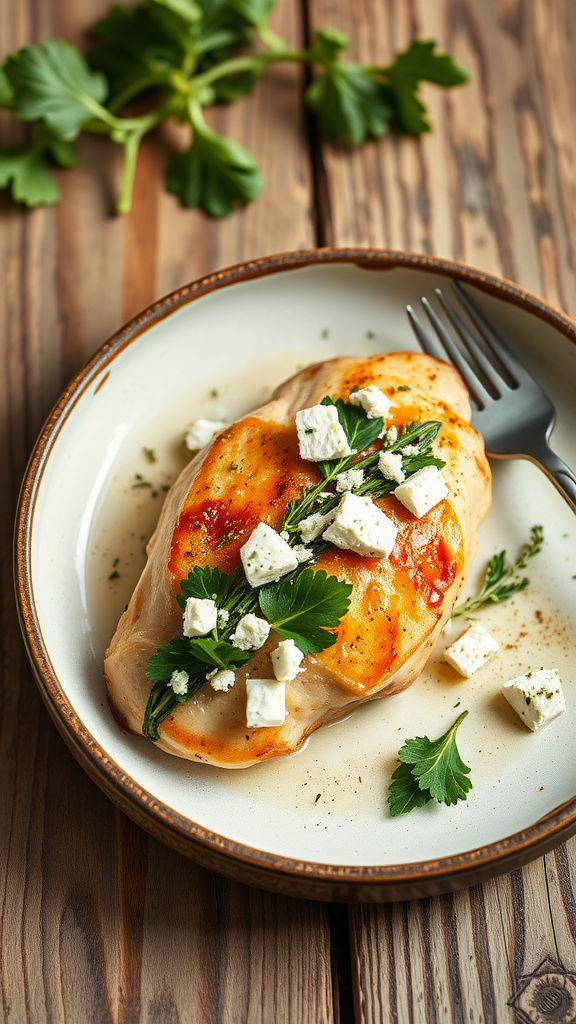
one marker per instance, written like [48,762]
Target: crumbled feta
[285,535]
[391,435]
[390,465]
[303,554]
[286,660]
[360,526]
[314,525]
[179,682]
[410,449]
[222,679]
[251,633]
[373,401]
[265,703]
[202,432]
[536,697]
[471,650]
[266,556]
[349,480]
[320,434]
[422,491]
[200,616]
[223,616]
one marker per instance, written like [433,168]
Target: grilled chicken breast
[398,605]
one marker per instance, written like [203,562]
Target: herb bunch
[304,606]
[178,57]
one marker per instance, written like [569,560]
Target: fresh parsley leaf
[501,581]
[218,653]
[138,48]
[405,793]
[429,770]
[6,91]
[205,583]
[348,101]
[305,607]
[256,12]
[419,63]
[27,173]
[187,10]
[174,656]
[216,174]
[53,83]
[360,431]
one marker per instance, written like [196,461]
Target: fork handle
[563,478]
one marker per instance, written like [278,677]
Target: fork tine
[425,340]
[490,337]
[465,370]
[474,349]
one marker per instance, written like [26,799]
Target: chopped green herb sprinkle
[404,387]
[325,333]
[214,393]
[114,575]
[224,540]
[115,563]
[370,334]
[316,798]
[150,454]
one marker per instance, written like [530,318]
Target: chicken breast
[398,605]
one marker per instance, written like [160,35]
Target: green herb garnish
[429,770]
[501,581]
[150,454]
[304,606]
[182,56]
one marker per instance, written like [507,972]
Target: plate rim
[311,879]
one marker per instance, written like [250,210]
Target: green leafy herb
[115,575]
[205,583]
[215,173]
[348,101]
[419,63]
[140,482]
[502,581]
[218,653]
[150,454]
[305,607]
[429,770]
[179,56]
[360,431]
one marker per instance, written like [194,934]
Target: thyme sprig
[502,581]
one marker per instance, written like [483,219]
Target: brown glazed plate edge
[246,864]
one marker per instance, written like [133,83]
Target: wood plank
[99,923]
[493,185]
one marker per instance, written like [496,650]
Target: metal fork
[515,416]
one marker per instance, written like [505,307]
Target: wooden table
[99,922]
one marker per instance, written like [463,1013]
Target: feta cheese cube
[360,526]
[471,650]
[251,633]
[202,432]
[311,527]
[179,682]
[320,434]
[373,401]
[536,697]
[390,465]
[200,616]
[286,660]
[265,556]
[349,480]
[303,554]
[222,679]
[390,435]
[422,490]
[265,703]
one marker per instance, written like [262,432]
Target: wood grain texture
[493,185]
[99,922]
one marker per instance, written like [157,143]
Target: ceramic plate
[316,823]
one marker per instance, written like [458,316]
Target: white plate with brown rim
[314,824]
